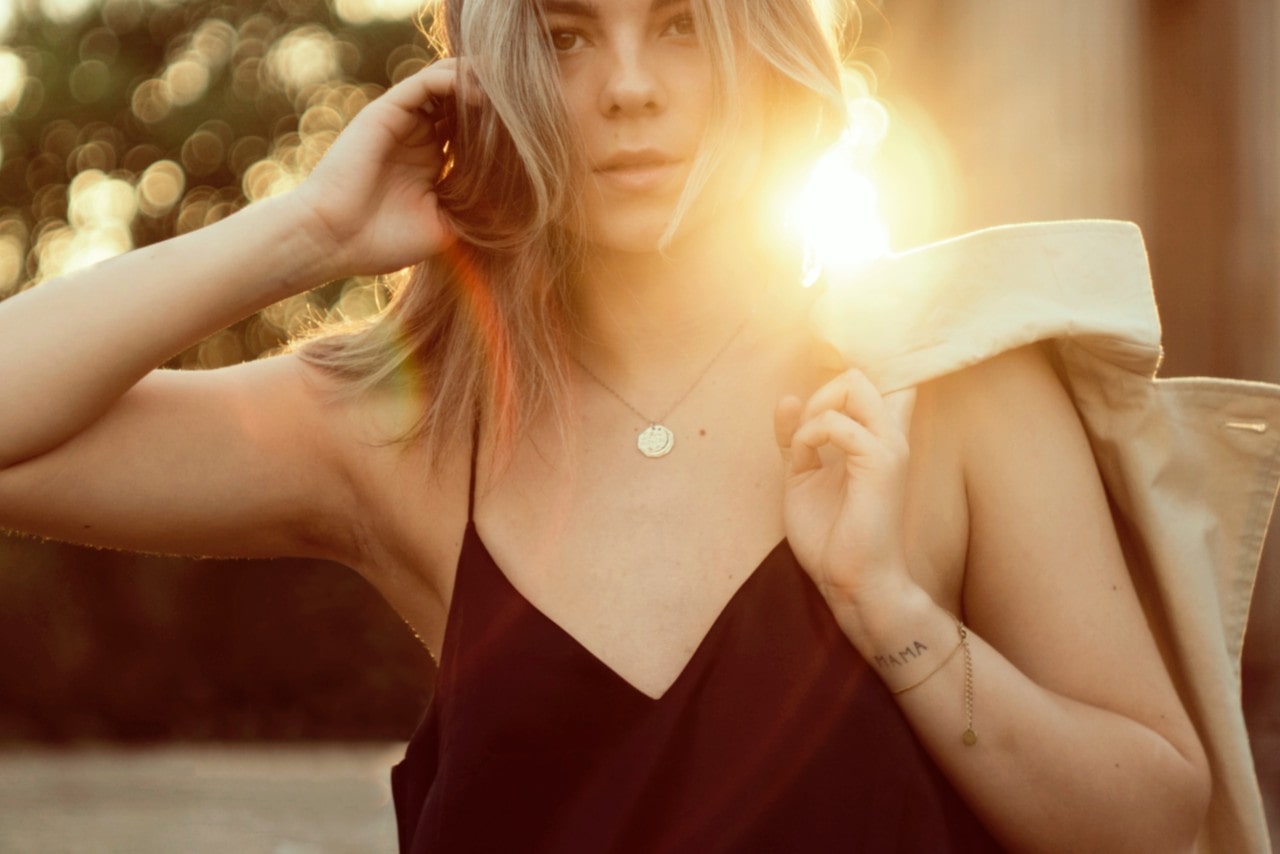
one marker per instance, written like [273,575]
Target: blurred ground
[299,799]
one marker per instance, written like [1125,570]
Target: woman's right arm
[73,346]
[97,446]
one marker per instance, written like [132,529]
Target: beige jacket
[1192,465]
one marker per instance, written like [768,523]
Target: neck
[650,314]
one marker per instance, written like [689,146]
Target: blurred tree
[124,122]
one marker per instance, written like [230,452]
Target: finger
[437,83]
[425,128]
[854,395]
[415,117]
[786,418]
[841,432]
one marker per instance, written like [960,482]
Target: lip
[640,170]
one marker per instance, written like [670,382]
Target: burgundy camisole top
[776,737]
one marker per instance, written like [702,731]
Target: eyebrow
[588,9]
[570,7]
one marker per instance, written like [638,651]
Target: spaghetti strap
[475,451]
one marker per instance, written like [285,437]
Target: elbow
[1165,807]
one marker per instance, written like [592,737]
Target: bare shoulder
[991,395]
[1011,417]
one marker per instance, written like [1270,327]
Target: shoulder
[994,410]
[1007,406]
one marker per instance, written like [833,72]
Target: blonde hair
[483,327]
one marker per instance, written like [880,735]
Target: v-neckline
[690,665]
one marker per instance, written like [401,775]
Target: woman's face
[638,83]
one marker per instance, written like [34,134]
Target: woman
[557,457]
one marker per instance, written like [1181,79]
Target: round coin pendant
[656,441]
[970,738]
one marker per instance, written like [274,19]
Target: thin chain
[696,380]
[970,738]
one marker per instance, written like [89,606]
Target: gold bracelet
[932,672]
[969,737]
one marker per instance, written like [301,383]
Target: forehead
[602,8]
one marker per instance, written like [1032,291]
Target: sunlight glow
[367,11]
[304,57]
[12,252]
[326,110]
[152,100]
[160,188]
[213,42]
[97,201]
[837,215]
[8,19]
[187,79]
[101,210]
[13,79]
[66,11]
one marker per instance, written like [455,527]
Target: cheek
[747,140]
[578,104]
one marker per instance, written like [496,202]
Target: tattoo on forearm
[901,657]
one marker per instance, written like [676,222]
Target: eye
[682,25]
[565,40]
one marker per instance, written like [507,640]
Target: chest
[635,559]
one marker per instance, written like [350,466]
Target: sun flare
[837,215]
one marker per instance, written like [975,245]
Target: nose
[632,85]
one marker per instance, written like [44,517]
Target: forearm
[71,346]
[1047,772]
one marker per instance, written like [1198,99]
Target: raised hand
[372,199]
[846,455]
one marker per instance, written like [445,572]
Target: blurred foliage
[124,122]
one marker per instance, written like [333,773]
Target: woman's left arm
[1082,741]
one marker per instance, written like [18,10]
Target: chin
[643,233]
[638,226]
[632,236]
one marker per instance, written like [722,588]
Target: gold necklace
[657,439]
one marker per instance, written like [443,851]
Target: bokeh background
[125,121]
